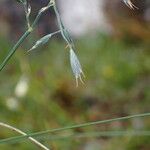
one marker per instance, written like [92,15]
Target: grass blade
[20,138]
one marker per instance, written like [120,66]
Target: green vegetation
[116,84]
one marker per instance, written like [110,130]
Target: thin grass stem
[37,134]
[13,50]
[95,134]
[24,36]
[23,133]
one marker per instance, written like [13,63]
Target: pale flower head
[12,103]
[130,4]
[22,87]
[76,67]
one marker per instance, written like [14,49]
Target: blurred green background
[38,92]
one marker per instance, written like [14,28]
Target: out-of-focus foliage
[127,23]
[38,92]
[117,84]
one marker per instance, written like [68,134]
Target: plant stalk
[24,36]
[71,127]
[23,133]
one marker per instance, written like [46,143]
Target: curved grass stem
[24,134]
